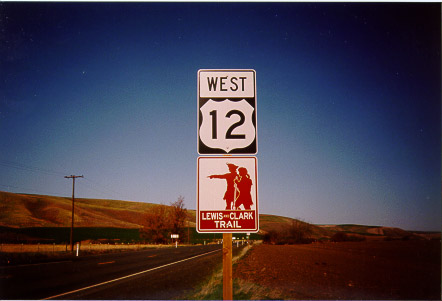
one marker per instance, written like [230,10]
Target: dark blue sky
[348,103]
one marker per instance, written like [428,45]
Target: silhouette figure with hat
[230,194]
[244,185]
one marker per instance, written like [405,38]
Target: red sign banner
[228,220]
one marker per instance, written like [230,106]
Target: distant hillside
[278,223]
[380,232]
[26,210]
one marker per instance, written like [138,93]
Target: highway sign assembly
[227,187]
[227,112]
[227,195]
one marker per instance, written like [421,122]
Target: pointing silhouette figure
[230,177]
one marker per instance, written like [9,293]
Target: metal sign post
[176,236]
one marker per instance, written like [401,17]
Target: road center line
[107,262]
[128,276]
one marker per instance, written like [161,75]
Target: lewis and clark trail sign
[227,195]
[227,112]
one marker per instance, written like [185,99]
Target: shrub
[339,236]
[271,237]
[297,232]
[342,236]
[161,221]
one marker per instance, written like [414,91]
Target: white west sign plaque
[227,112]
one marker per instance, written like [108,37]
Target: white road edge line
[128,276]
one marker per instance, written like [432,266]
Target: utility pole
[73,199]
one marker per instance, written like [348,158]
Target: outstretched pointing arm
[218,176]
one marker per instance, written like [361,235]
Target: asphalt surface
[164,273]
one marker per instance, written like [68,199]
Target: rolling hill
[26,211]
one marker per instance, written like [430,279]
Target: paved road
[166,273]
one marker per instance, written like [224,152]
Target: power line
[106,190]
[103,189]
[30,168]
[30,189]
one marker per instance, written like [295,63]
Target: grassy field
[37,244]
[26,218]
[24,210]
[60,235]
[17,254]
[53,248]
[31,211]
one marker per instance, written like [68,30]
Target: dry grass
[26,210]
[18,254]
[22,210]
[212,289]
[48,248]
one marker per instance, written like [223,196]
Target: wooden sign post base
[227,267]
